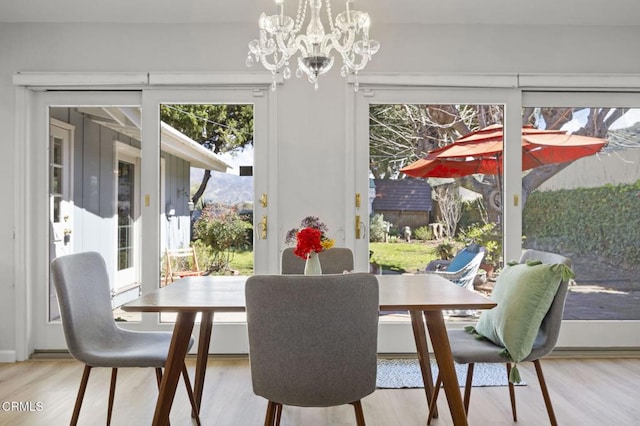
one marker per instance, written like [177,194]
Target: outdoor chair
[335,260]
[309,344]
[462,269]
[82,284]
[468,348]
[181,263]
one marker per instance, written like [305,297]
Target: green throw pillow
[523,293]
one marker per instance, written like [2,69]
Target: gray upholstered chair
[468,349]
[91,333]
[336,260]
[312,340]
[544,257]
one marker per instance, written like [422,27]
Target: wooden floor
[584,391]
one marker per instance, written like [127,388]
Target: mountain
[224,187]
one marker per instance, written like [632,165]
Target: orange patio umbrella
[481,152]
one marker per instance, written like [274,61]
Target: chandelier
[280,39]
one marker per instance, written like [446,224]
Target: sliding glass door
[396,127]
[107,173]
[587,210]
[583,208]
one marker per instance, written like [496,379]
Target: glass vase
[312,265]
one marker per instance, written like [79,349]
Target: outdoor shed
[403,202]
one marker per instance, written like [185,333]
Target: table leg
[204,341]
[420,336]
[442,351]
[173,368]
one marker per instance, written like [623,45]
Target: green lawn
[403,257]
[243,262]
[399,257]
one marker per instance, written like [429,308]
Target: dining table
[424,296]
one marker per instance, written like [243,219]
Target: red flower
[308,240]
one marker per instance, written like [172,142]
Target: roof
[126,120]
[182,146]
[402,195]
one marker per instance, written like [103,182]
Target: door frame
[131,155]
[575,334]
[34,331]
[396,336]
[65,132]
[33,96]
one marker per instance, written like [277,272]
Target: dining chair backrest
[336,260]
[81,281]
[544,257]
[550,328]
[313,339]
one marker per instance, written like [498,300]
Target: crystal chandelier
[280,39]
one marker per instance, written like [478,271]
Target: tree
[448,198]
[219,128]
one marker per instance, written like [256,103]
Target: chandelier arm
[281,38]
[302,45]
[352,65]
[335,41]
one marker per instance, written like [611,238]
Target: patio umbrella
[481,152]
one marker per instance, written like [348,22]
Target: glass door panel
[425,211]
[207,191]
[586,208]
[76,138]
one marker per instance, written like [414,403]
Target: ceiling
[516,12]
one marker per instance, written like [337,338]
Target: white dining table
[424,296]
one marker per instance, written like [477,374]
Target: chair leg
[467,387]
[434,399]
[159,376]
[512,394]
[270,417]
[545,393]
[112,394]
[278,414]
[357,406]
[80,397]
[187,383]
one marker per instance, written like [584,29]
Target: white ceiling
[518,12]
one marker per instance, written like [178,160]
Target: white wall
[311,125]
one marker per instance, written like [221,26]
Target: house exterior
[95,190]
[403,202]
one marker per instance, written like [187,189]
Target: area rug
[405,373]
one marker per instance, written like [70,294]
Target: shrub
[224,231]
[489,236]
[600,221]
[378,228]
[423,233]
[446,249]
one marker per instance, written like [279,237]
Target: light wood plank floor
[584,391]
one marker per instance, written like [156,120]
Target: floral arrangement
[310,237]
